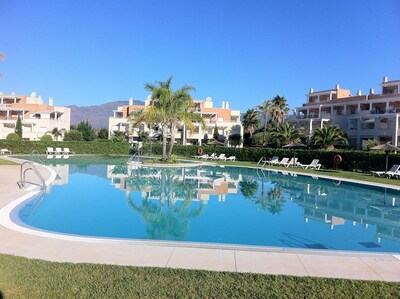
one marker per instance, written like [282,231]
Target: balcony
[385,111]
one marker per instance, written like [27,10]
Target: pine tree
[215,134]
[18,127]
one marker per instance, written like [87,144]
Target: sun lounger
[313,165]
[274,160]
[283,162]
[393,171]
[221,157]
[58,151]
[263,160]
[291,163]
[231,158]
[50,151]
[213,156]
[66,151]
[5,151]
[205,156]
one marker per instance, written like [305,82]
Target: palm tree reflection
[167,205]
[248,187]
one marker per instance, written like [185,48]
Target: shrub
[73,135]
[46,138]
[257,138]
[102,134]
[87,130]
[13,137]
[235,139]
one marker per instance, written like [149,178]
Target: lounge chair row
[4,151]
[58,151]
[214,156]
[393,172]
[293,162]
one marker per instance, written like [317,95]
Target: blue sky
[91,52]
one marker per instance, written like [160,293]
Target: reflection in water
[165,219]
[168,201]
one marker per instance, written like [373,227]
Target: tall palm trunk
[171,146]
[265,128]
[164,142]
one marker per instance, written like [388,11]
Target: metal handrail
[35,203]
[22,182]
[35,155]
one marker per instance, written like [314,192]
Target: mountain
[97,115]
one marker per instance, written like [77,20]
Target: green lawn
[6,162]
[340,174]
[24,278]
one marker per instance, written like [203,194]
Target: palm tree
[168,108]
[56,133]
[180,110]
[286,133]
[279,109]
[266,109]
[328,136]
[251,121]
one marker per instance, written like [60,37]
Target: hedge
[364,161]
[78,147]
[352,160]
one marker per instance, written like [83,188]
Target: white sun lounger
[283,162]
[205,156]
[221,157]
[66,151]
[231,158]
[5,151]
[393,171]
[50,151]
[314,165]
[291,163]
[58,151]
[274,160]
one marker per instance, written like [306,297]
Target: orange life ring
[199,151]
[337,159]
[336,182]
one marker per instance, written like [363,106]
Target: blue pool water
[230,205]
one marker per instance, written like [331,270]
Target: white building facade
[225,119]
[37,118]
[361,117]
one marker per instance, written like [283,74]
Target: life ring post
[337,159]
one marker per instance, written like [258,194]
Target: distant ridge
[97,115]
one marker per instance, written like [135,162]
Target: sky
[83,52]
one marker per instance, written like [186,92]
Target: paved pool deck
[19,241]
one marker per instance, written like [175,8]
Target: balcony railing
[385,111]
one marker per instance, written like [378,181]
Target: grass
[340,174]
[6,162]
[24,278]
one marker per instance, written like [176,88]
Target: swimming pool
[105,197]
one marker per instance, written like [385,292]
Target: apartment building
[362,117]
[37,118]
[224,118]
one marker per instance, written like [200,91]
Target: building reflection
[204,182]
[328,202]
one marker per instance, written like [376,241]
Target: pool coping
[182,249]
